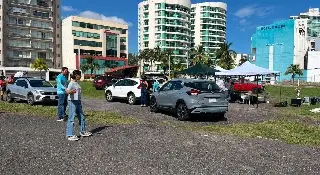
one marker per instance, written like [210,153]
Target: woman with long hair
[75,108]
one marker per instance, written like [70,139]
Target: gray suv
[190,96]
[32,90]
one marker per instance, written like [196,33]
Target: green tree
[225,56]
[40,65]
[164,60]
[294,69]
[89,64]
[242,60]
[133,59]
[199,55]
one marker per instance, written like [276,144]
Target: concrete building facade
[313,17]
[29,29]
[208,25]
[280,44]
[105,41]
[165,23]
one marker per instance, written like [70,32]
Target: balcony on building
[34,4]
[29,13]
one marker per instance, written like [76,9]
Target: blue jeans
[62,105]
[75,108]
[143,97]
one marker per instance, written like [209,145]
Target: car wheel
[153,105]
[221,116]
[131,99]
[109,96]
[9,97]
[30,100]
[182,112]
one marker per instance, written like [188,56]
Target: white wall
[300,42]
[313,72]
[68,57]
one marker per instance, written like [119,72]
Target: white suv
[127,88]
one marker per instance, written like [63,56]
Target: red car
[101,82]
[245,86]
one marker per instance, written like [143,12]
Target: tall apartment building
[208,25]
[104,40]
[30,29]
[313,16]
[165,23]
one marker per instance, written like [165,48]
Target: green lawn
[89,91]
[51,112]
[291,132]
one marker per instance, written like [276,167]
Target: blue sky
[242,17]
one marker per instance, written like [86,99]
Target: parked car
[127,88]
[33,90]
[190,96]
[245,86]
[101,82]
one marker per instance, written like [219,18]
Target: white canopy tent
[220,69]
[247,69]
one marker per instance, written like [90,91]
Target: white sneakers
[82,134]
[73,138]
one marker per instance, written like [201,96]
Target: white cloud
[246,14]
[253,10]
[68,8]
[94,15]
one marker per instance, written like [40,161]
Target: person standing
[3,85]
[144,92]
[75,108]
[155,86]
[62,82]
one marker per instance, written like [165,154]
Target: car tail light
[99,81]
[193,92]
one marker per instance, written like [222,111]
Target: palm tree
[199,55]
[90,64]
[145,56]
[225,56]
[164,59]
[39,64]
[294,69]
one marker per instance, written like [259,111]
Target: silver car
[33,90]
[190,96]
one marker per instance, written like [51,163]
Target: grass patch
[303,111]
[288,92]
[288,131]
[89,91]
[51,111]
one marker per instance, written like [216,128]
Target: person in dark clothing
[228,85]
[144,92]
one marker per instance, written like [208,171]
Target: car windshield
[205,86]
[40,83]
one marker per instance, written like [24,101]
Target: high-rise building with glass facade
[165,23]
[313,16]
[208,25]
[105,41]
[30,29]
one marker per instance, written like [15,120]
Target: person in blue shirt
[62,83]
[155,86]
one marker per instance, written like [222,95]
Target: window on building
[58,35]
[75,24]
[83,25]
[58,45]
[123,39]
[123,47]
[123,31]
[58,55]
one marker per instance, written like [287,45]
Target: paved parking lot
[35,145]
